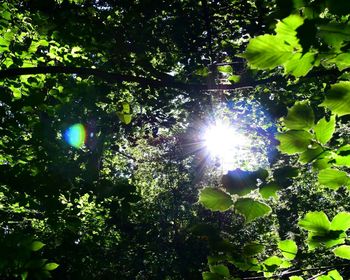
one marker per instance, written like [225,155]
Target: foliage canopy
[103,168]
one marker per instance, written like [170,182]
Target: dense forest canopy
[181,139]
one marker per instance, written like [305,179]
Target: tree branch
[113,77]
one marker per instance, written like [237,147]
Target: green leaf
[253,249]
[316,222]
[6,15]
[342,161]
[342,61]
[204,72]
[341,221]
[215,199]
[220,269]
[267,52]
[125,114]
[332,275]
[227,69]
[324,130]
[273,263]
[300,64]
[338,98]
[234,79]
[251,209]
[343,156]
[286,264]
[289,249]
[333,178]
[51,266]
[296,278]
[334,34]
[311,154]
[241,182]
[300,116]
[286,29]
[211,276]
[36,245]
[342,252]
[269,190]
[294,141]
[328,240]
[274,260]
[321,163]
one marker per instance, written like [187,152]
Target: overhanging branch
[113,77]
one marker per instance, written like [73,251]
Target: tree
[103,169]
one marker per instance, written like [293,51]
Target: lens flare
[75,135]
[225,143]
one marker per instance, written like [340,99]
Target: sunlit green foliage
[139,197]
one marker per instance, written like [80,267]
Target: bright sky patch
[225,143]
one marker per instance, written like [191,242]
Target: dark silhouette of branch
[319,274]
[113,77]
[207,20]
[107,76]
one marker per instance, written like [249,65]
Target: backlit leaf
[273,263]
[334,34]
[253,249]
[251,209]
[333,178]
[234,79]
[324,130]
[211,276]
[220,269]
[227,69]
[294,141]
[315,222]
[300,64]
[286,264]
[342,252]
[267,52]
[289,248]
[286,28]
[215,199]
[300,117]
[328,240]
[342,61]
[341,221]
[51,266]
[332,275]
[268,190]
[37,245]
[311,154]
[338,98]
[343,156]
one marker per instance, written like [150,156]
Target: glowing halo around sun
[75,135]
[223,142]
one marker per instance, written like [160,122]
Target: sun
[225,143]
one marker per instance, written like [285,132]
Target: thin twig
[318,274]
